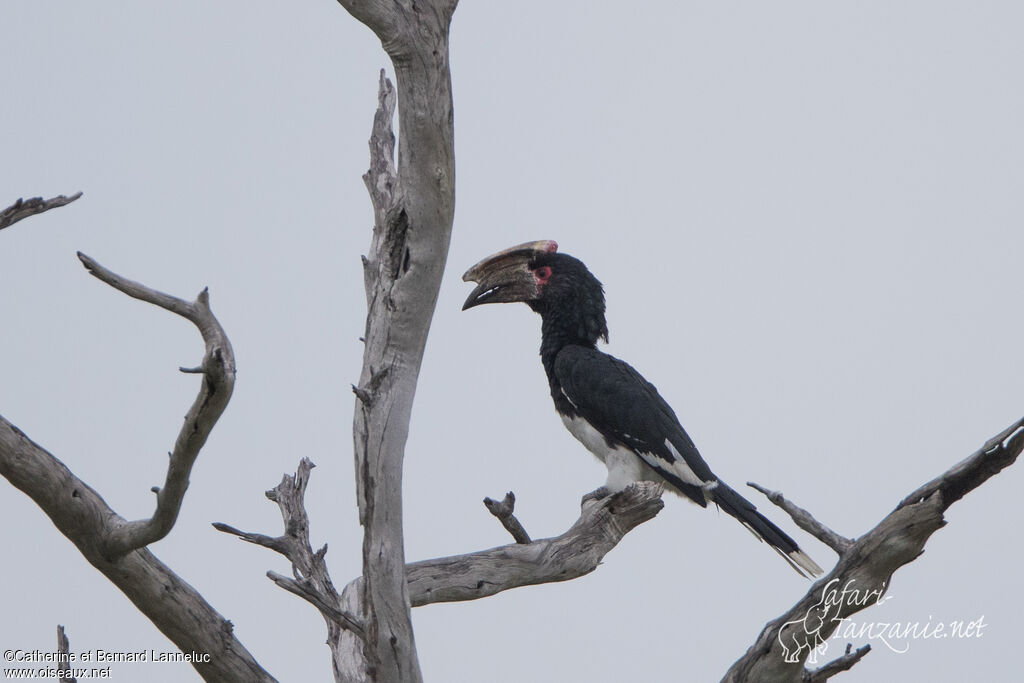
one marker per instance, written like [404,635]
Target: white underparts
[624,465]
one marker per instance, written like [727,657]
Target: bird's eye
[542,274]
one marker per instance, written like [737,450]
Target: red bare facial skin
[542,275]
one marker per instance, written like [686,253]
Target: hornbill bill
[606,404]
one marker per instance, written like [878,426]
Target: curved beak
[506,276]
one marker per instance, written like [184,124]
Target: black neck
[576,324]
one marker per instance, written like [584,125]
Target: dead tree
[368,622]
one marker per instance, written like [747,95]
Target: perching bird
[606,404]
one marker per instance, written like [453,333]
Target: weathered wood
[218,370]
[866,565]
[115,546]
[85,519]
[838,665]
[414,204]
[503,510]
[577,552]
[311,582]
[64,649]
[23,208]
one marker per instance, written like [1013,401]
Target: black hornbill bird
[606,404]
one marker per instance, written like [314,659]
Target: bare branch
[23,208]
[276,543]
[503,511]
[381,179]
[312,581]
[85,519]
[806,521]
[331,613]
[218,369]
[998,452]
[867,566]
[64,652]
[602,524]
[837,666]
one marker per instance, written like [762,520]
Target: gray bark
[414,204]
[23,208]
[577,552]
[115,546]
[218,371]
[311,581]
[865,564]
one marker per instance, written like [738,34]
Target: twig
[837,666]
[23,208]
[806,521]
[218,369]
[312,581]
[503,511]
[64,655]
[304,590]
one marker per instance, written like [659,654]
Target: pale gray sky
[807,217]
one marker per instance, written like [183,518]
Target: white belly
[624,467]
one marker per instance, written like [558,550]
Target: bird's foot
[595,495]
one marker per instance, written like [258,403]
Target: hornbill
[606,404]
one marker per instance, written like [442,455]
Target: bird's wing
[627,409]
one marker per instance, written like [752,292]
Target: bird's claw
[595,495]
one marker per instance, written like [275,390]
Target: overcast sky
[807,217]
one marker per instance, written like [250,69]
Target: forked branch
[866,565]
[105,538]
[311,580]
[218,370]
[503,511]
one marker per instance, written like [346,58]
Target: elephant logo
[808,634]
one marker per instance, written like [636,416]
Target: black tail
[743,510]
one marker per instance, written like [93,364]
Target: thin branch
[64,656]
[312,581]
[867,566]
[218,369]
[503,511]
[837,666]
[276,543]
[330,612]
[23,208]
[806,521]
